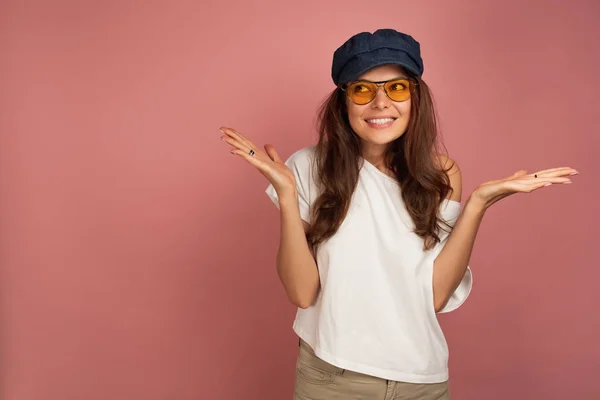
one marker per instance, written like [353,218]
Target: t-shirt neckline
[377,170]
[391,179]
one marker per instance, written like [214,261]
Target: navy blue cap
[366,50]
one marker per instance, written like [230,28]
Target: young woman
[373,242]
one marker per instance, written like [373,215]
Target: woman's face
[374,138]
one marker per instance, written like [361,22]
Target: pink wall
[137,254]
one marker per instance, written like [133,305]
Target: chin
[381,137]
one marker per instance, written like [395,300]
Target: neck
[375,154]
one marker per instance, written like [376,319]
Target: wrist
[475,205]
[288,197]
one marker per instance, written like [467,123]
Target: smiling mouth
[380,121]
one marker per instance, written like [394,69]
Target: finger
[554,179]
[241,146]
[237,136]
[554,171]
[556,174]
[234,142]
[272,153]
[540,182]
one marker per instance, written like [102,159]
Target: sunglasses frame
[412,83]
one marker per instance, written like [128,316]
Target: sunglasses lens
[361,92]
[398,90]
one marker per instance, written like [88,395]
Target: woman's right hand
[267,162]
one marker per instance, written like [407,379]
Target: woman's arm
[296,266]
[451,263]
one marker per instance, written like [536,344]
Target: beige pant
[319,380]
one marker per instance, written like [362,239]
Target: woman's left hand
[491,192]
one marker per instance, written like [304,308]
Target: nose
[381,99]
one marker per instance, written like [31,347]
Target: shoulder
[304,152]
[302,158]
[453,170]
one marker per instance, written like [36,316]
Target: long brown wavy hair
[413,157]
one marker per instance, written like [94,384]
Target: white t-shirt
[374,312]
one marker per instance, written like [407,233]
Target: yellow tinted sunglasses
[363,92]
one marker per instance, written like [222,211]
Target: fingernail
[547,184]
[573,173]
[567,182]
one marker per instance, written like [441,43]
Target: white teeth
[381,121]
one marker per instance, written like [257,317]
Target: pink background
[137,254]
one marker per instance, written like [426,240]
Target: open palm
[493,191]
[266,162]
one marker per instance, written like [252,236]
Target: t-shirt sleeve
[450,210]
[300,164]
